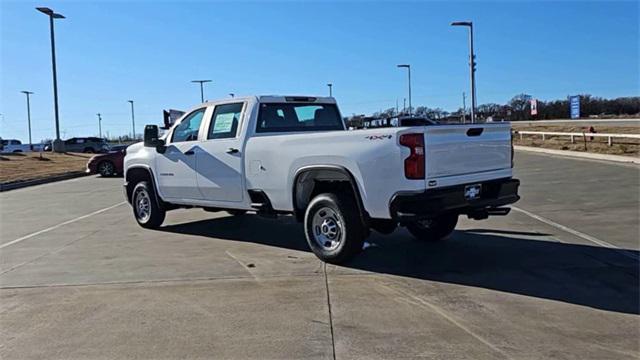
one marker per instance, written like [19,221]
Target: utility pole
[133,120]
[404,106]
[99,125]
[464,107]
[29,116]
[52,15]
[330,85]
[201,87]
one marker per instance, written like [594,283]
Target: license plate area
[472,192]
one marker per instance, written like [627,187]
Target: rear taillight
[414,164]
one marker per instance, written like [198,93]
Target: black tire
[106,168]
[435,229]
[237,212]
[88,150]
[155,216]
[341,214]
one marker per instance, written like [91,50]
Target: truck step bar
[261,203]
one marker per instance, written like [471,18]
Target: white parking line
[59,225]
[576,233]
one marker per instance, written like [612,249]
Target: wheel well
[134,176]
[311,182]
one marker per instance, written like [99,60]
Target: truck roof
[282,99]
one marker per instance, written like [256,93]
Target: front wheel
[106,169]
[333,228]
[145,206]
[438,228]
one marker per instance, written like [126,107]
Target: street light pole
[472,66]
[330,85]
[99,125]
[201,82]
[29,117]
[133,120]
[409,73]
[52,15]
[464,107]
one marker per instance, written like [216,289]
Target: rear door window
[225,120]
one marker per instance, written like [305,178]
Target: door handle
[190,152]
[232,151]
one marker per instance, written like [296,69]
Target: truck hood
[134,147]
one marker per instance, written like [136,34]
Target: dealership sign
[534,107]
[574,106]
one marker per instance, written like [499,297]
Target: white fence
[573,135]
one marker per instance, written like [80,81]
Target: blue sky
[109,52]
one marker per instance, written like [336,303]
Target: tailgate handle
[474,131]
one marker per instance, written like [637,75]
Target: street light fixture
[133,120]
[330,85]
[53,15]
[472,66]
[201,87]
[232,95]
[28,116]
[409,72]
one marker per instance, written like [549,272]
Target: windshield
[292,117]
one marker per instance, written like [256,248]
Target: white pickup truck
[13,146]
[292,155]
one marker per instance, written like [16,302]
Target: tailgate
[453,150]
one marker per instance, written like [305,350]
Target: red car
[108,164]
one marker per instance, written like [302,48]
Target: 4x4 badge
[378,137]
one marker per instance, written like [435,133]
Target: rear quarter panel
[373,157]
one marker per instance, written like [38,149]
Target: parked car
[108,164]
[83,144]
[13,146]
[278,155]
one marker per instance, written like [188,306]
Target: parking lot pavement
[217,286]
[598,198]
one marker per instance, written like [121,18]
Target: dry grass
[29,166]
[621,146]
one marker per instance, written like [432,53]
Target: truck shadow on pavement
[521,263]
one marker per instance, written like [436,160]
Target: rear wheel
[106,168]
[438,228]
[333,228]
[145,206]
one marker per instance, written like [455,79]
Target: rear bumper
[406,207]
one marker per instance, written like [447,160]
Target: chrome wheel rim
[143,205]
[326,228]
[105,168]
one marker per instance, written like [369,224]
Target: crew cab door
[219,158]
[176,167]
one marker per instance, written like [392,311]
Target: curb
[22,184]
[577,154]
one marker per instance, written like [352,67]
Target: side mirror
[151,138]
